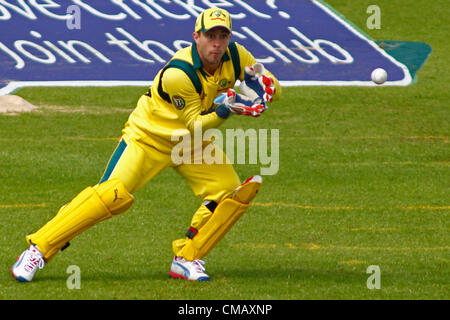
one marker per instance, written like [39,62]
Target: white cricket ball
[379,76]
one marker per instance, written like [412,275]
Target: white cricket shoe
[188,270]
[27,264]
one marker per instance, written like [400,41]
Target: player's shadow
[104,276]
[256,273]
[294,274]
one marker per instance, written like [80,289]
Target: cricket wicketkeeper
[183,95]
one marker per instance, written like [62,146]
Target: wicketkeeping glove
[240,104]
[257,84]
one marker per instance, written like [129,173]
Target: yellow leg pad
[92,205]
[227,213]
[224,217]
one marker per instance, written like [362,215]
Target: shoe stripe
[176,275]
[203,279]
[180,276]
[185,270]
[19,260]
[19,278]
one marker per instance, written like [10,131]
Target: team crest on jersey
[178,102]
[223,83]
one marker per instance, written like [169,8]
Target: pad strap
[191,232]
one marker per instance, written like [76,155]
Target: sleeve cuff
[223,112]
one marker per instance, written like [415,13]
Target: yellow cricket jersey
[155,121]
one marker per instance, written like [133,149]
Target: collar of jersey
[197,63]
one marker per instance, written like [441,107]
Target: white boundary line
[14,85]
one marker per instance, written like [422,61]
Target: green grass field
[363,180]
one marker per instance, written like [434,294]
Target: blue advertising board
[126,42]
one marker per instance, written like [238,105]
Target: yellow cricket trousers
[131,166]
[135,163]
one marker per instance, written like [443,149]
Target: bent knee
[115,195]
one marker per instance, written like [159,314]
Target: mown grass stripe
[23,205]
[315,246]
[338,208]
[354,138]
